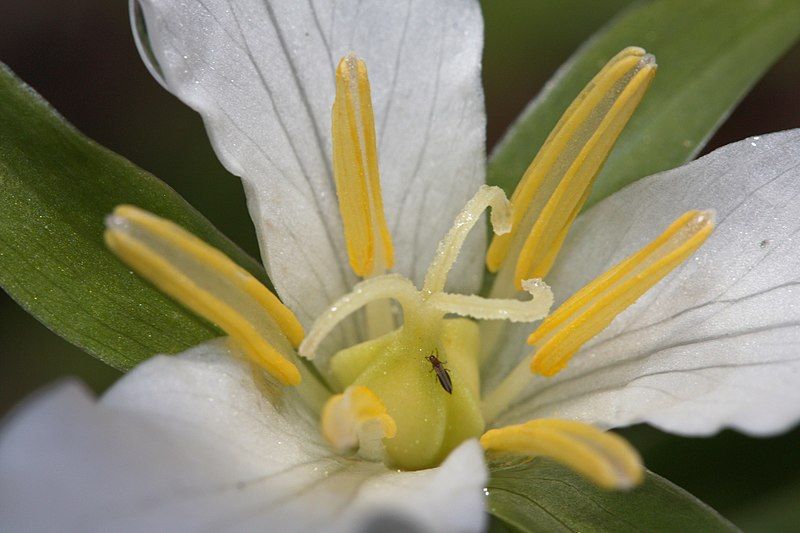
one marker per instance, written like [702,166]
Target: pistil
[397,368]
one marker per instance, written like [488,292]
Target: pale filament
[498,308]
[449,247]
[396,287]
[388,286]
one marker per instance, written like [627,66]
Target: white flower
[192,443]
[228,434]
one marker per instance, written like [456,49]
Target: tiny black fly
[441,372]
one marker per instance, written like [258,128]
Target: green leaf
[709,54]
[774,511]
[56,187]
[497,525]
[541,495]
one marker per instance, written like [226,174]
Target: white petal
[715,344]
[262,76]
[189,443]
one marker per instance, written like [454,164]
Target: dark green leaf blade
[775,511]
[541,495]
[709,54]
[56,187]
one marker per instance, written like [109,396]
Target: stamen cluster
[410,392]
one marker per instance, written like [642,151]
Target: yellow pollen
[211,285]
[357,419]
[592,308]
[557,183]
[606,459]
[355,169]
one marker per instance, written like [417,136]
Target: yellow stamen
[557,183]
[357,418]
[593,307]
[355,165]
[206,281]
[606,459]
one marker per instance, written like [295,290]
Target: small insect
[442,373]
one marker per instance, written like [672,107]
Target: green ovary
[430,422]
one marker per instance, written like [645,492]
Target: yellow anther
[357,419]
[557,183]
[355,168]
[206,281]
[593,307]
[606,459]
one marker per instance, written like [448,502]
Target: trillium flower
[373,383]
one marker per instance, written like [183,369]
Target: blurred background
[80,56]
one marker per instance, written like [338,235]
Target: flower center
[425,373]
